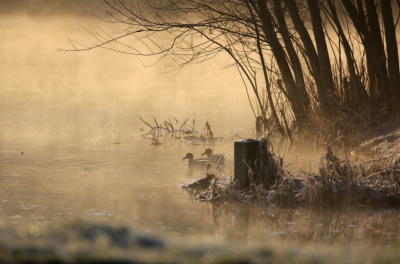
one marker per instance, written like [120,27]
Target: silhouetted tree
[303,56]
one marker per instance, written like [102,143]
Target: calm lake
[71,142]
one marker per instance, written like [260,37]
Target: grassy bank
[342,179]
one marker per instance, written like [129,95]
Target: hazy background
[66,111]
[35,74]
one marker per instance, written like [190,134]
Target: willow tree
[287,40]
[194,32]
[365,19]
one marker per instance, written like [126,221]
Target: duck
[214,158]
[195,162]
[202,184]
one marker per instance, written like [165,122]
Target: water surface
[71,143]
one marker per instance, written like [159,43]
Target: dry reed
[181,131]
[338,182]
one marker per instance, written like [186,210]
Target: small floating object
[22,153]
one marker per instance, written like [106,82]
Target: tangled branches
[182,131]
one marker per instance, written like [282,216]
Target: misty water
[71,143]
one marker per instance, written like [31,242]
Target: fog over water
[65,112]
[70,133]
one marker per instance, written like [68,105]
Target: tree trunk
[320,42]
[370,46]
[375,87]
[378,49]
[294,58]
[275,118]
[322,89]
[279,53]
[392,54]
[359,90]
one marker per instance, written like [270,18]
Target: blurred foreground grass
[82,242]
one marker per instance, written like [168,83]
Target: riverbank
[341,179]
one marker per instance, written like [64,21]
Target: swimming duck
[202,184]
[195,162]
[214,158]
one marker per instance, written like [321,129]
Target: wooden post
[245,152]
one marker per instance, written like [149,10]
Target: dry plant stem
[288,132]
[209,133]
[172,127]
[183,124]
[187,134]
[374,160]
[147,124]
[156,122]
[338,183]
[168,126]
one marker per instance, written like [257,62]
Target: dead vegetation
[182,131]
[339,181]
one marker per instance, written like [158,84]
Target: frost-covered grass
[89,243]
